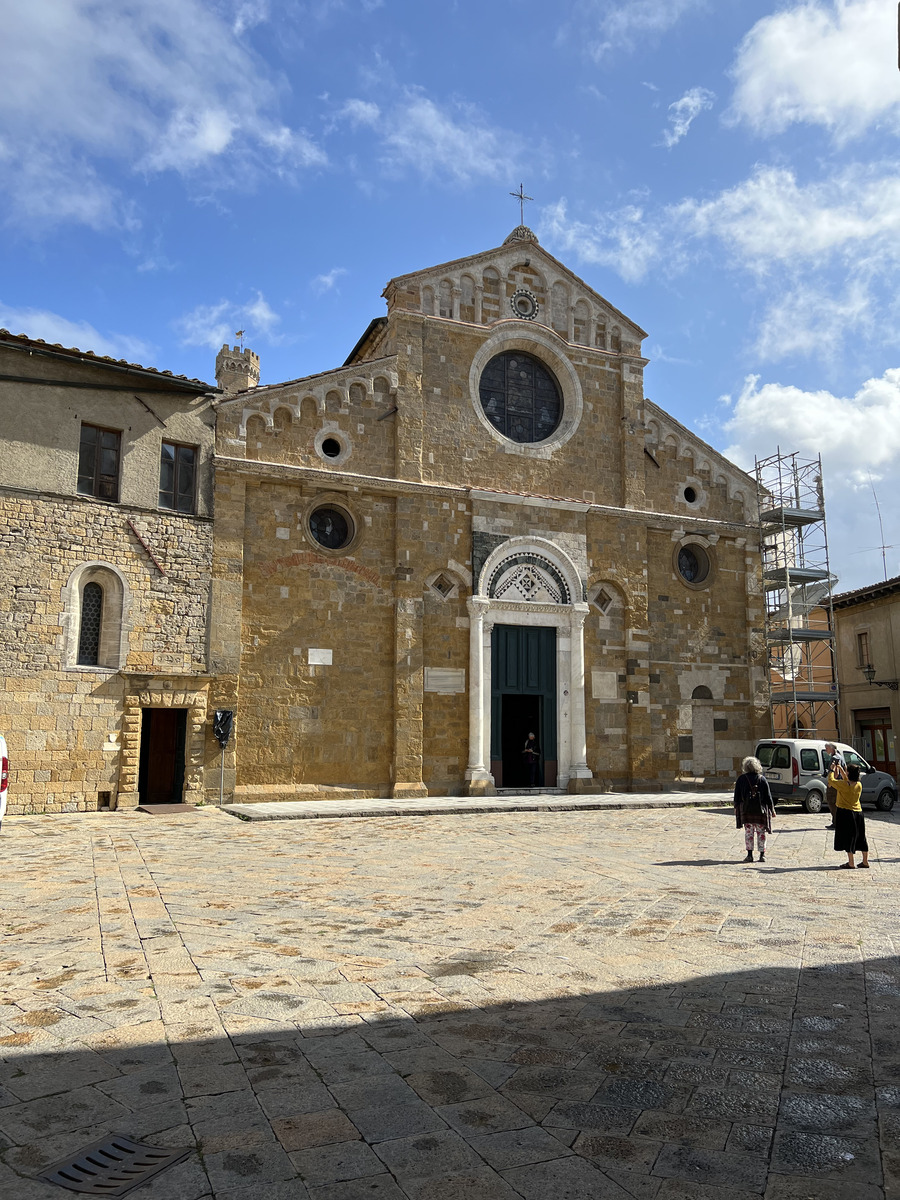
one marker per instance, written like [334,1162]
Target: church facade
[476,528]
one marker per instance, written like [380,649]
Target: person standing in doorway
[833,758]
[850,824]
[753,806]
[532,754]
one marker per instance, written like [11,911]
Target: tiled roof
[20,340]
[872,591]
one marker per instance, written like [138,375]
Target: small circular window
[693,564]
[331,527]
[690,494]
[331,447]
[520,397]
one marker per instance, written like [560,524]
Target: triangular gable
[521,246]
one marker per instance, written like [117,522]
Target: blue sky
[723,171]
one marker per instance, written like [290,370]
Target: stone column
[479,780]
[454,301]
[479,297]
[580,777]
[570,323]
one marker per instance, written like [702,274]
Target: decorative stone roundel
[520,397]
[524,304]
[693,564]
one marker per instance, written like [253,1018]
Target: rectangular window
[862,649]
[177,477]
[809,760]
[98,462]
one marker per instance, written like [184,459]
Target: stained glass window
[520,397]
[330,528]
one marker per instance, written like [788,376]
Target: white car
[797,769]
[4,775]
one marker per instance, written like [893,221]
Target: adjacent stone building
[105,566]
[476,528]
[867,630]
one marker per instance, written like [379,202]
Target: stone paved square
[536,1004]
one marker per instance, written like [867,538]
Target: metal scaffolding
[797,579]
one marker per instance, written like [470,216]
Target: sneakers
[749,857]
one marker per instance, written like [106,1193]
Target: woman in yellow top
[849,822]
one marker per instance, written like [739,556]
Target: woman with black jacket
[754,807]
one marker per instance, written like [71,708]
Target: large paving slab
[597,1003]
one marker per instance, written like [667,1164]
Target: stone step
[536,791]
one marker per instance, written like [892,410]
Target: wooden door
[161,774]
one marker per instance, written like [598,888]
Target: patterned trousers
[760,831]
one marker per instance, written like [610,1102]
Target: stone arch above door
[530,570]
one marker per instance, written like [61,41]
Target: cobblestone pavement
[579,1005]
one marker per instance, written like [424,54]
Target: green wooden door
[523,700]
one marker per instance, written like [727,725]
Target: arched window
[96,604]
[89,629]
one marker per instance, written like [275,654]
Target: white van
[797,769]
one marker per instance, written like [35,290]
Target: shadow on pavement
[754,1083]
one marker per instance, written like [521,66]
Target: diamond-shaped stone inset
[114,1166]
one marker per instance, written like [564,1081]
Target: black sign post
[223,727]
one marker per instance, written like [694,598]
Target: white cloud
[90,91]
[684,111]
[622,238]
[606,25]
[829,64]
[80,335]
[808,319]
[823,254]
[436,142]
[359,112]
[213,325]
[856,435]
[328,281]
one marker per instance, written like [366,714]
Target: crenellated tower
[236,369]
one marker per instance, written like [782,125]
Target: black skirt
[850,831]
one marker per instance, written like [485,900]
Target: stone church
[476,528]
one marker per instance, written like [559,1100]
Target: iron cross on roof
[521,197]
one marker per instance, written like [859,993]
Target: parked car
[4,775]
[797,770]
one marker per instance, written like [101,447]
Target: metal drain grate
[114,1166]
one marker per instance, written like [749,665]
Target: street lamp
[869,672]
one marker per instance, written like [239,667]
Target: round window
[693,564]
[331,447]
[690,494]
[520,397]
[330,527]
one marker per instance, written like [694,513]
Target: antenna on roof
[883,547]
[239,333]
[521,197]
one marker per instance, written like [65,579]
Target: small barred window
[89,632]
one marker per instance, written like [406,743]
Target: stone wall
[64,723]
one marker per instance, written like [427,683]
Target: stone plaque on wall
[320,658]
[604,685]
[446,680]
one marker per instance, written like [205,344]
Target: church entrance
[523,701]
[161,766]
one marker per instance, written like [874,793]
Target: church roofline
[666,417]
[377,323]
[534,246]
[273,387]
